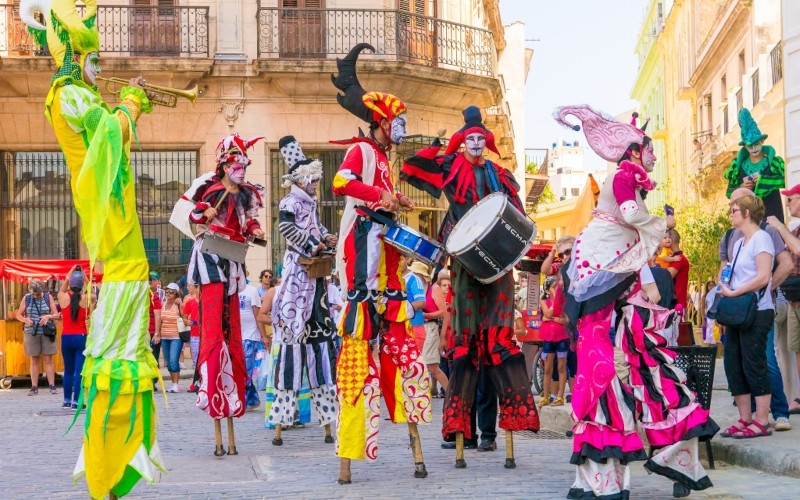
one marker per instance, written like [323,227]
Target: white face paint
[91,68]
[755,149]
[236,173]
[398,132]
[648,159]
[311,187]
[475,143]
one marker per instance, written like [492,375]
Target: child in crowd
[556,340]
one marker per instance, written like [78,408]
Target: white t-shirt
[335,299]
[249,298]
[745,268]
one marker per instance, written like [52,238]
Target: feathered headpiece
[473,122]
[607,137]
[749,129]
[368,106]
[301,169]
[234,149]
[65,33]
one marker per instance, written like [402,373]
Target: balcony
[324,34]
[124,31]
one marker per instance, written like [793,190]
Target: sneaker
[75,406]
[487,446]
[53,389]
[66,406]
[782,424]
[174,388]
[193,388]
[34,391]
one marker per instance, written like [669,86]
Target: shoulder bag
[736,312]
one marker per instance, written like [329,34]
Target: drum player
[376,302]
[302,320]
[481,323]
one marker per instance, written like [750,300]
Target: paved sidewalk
[38,460]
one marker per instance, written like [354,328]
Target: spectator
[74,302]
[191,317]
[443,282]
[265,282]
[35,311]
[746,348]
[556,340]
[335,300]
[432,313]
[558,255]
[417,282]
[171,342]
[678,268]
[155,319]
[252,331]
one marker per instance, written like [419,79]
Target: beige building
[262,68]
[719,56]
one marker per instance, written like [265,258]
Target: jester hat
[368,106]
[749,129]
[607,137]
[473,123]
[65,33]
[301,169]
[234,149]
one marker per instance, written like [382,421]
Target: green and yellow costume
[119,444]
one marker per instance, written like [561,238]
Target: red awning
[538,249]
[24,270]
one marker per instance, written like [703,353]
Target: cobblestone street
[38,460]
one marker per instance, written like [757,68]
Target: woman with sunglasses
[171,343]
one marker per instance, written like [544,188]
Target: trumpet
[159,96]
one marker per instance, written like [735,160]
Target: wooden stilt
[231,438]
[219,450]
[344,471]
[460,462]
[112,496]
[416,448]
[278,440]
[328,437]
[510,462]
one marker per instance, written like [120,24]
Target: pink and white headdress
[234,149]
[606,136]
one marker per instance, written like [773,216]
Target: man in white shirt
[249,304]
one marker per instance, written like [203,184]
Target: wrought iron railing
[124,30]
[288,33]
[776,62]
[755,87]
[739,100]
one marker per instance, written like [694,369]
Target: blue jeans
[778,405]
[72,347]
[172,352]
[251,347]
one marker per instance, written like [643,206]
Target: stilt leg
[328,437]
[460,462]
[219,451]
[416,448]
[510,462]
[112,496]
[278,440]
[231,438]
[344,471]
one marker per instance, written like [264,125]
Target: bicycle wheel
[538,373]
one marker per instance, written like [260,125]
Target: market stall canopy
[23,270]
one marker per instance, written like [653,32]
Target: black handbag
[791,288]
[735,312]
[49,328]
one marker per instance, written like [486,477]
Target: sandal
[795,411]
[558,402]
[748,433]
[730,431]
[544,401]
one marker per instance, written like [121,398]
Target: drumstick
[222,198]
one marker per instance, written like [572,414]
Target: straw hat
[418,267]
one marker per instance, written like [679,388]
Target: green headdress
[749,129]
[65,33]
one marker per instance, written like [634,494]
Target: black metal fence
[124,30]
[776,61]
[294,33]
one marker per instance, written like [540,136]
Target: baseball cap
[793,190]
[155,275]
[173,286]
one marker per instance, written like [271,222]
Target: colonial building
[261,68]
[791,56]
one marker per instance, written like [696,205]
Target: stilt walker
[301,317]
[481,325]
[372,281]
[223,204]
[119,441]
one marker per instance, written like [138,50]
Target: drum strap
[376,216]
[492,176]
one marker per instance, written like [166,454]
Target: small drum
[413,243]
[491,238]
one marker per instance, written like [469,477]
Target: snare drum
[491,238]
[413,244]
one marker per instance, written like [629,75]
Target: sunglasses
[735,209]
[565,253]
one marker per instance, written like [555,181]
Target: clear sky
[585,55]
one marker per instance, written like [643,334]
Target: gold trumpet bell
[159,96]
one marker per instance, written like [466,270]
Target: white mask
[236,173]
[398,132]
[91,68]
[475,143]
[755,149]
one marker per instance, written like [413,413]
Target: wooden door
[302,28]
[155,28]
[417,31]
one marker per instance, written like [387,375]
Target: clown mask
[648,159]
[236,173]
[755,148]
[398,132]
[311,187]
[91,67]
[475,143]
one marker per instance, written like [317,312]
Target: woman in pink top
[556,340]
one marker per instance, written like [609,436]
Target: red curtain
[24,270]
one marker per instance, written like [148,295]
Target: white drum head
[475,223]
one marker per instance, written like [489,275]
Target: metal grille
[330,206]
[38,214]
[776,62]
[431,209]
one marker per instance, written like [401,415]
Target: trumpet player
[119,445]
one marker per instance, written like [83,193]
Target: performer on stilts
[302,318]
[119,442]
[225,204]
[608,273]
[377,306]
[481,328]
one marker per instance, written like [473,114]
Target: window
[575,192]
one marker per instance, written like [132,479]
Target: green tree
[701,231]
